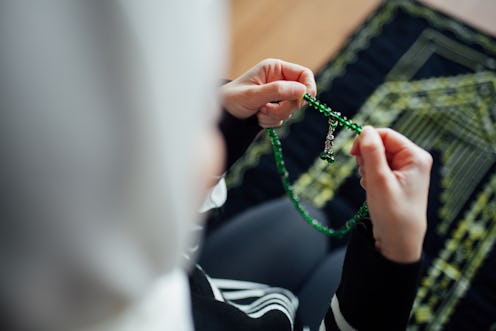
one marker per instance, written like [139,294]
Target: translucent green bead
[281,168]
[327,157]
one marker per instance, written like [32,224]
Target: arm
[375,293]
[382,264]
[249,102]
[238,135]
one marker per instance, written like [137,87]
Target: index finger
[394,142]
[293,72]
[401,151]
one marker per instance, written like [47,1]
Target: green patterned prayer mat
[433,79]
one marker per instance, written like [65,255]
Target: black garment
[271,244]
[374,294]
[238,135]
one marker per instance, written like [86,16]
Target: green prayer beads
[283,172]
[328,112]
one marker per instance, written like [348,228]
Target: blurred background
[310,32]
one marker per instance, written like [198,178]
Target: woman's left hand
[272,90]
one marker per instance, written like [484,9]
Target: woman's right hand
[395,173]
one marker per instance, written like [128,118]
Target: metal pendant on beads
[328,153]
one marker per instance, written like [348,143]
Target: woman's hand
[272,89]
[395,173]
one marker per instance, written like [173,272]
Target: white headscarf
[102,105]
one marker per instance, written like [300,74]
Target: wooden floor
[309,32]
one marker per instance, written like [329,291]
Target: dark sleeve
[238,135]
[375,293]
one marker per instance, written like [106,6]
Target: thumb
[373,153]
[280,90]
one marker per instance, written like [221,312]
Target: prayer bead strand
[283,172]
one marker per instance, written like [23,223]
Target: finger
[361,172]
[374,158]
[363,183]
[402,152]
[355,149]
[359,160]
[282,110]
[266,121]
[394,142]
[282,70]
[280,90]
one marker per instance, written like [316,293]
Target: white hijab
[103,103]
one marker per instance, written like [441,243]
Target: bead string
[283,172]
[328,112]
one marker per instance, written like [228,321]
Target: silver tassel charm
[328,153]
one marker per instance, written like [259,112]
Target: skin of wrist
[402,249]
[402,254]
